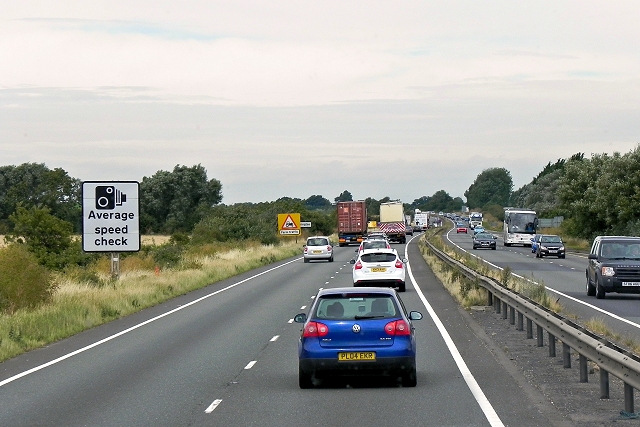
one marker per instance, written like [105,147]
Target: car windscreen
[551,239]
[620,250]
[318,241]
[358,306]
[484,236]
[378,257]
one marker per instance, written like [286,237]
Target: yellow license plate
[378,269]
[317,252]
[356,356]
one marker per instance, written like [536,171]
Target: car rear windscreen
[378,257]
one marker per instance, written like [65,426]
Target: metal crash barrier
[610,358]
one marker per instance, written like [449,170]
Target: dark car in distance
[357,332]
[484,241]
[549,245]
[613,266]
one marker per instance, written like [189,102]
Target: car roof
[617,238]
[356,290]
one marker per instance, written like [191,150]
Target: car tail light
[398,263]
[329,248]
[315,329]
[305,249]
[397,328]
[358,265]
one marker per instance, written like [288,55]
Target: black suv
[614,266]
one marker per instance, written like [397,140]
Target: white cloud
[257,91]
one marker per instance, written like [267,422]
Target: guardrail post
[512,315]
[497,304]
[566,355]
[489,298]
[504,309]
[552,345]
[628,398]
[540,335]
[529,329]
[604,384]
[520,326]
[584,374]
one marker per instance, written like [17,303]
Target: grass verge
[82,304]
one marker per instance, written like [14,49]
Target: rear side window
[378,257]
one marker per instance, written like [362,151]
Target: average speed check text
[124,216]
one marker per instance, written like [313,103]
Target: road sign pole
[115,265]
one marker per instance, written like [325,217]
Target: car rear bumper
[382,366]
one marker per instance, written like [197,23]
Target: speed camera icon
[108,197]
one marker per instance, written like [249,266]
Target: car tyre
[591,290]
[493,248]
[402,287]
[410,379]
[600,293]
[304,380]
[306,260]
[561,256]
[331,259]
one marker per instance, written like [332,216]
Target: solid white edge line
[213,406]
[102,341]
[250,364]
[473,385]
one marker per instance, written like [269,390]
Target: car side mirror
[353,261]
[300,318]
[415,315]
[404,260]
[593,256]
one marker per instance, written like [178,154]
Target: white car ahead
[379,267]
[318,247]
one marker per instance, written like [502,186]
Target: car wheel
[561,256]
[331,259]
[402,287]
[410,379]
[600,293]
[591,290]
[306,260]
[493,248]
[304,380]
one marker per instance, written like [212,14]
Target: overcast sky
[297,98]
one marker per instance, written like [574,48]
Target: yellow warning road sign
[289,224]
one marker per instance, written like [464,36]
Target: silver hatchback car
[318,247]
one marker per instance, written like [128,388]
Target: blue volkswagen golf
[357,331]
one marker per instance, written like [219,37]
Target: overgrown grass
[87,298]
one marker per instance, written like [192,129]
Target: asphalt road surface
[226,356]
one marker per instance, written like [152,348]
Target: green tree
[345,196]
[317,202]
[47,237]
[492,186]
[601,195]
[176,201]
[34,184]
